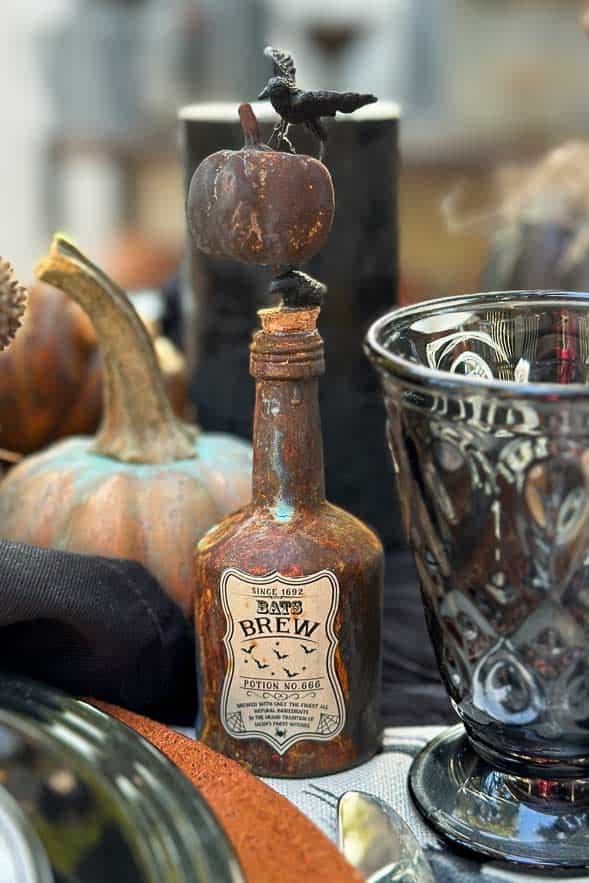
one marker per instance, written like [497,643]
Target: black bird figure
[281,655]
[307,651]
[260,664]
[293,105]
[290,674]
[298,289]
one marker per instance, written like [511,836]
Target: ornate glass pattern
[487,399]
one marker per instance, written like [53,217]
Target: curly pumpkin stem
[138,424]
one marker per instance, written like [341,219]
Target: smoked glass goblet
[487,400]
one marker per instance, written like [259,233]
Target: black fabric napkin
[96,627]
[105,628]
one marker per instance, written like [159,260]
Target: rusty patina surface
[290,529]
[260,206]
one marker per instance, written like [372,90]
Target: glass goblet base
[530,821]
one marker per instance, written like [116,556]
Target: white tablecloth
[386,776]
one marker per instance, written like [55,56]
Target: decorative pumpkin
[148,485]
[51,380]
[260,206]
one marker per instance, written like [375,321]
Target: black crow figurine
[293,105]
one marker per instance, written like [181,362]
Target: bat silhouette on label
[307,651]
[280,733]
[294,105]
[290,674]
[260,664]
[250,650]
[281,655]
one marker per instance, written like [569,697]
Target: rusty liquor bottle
[289,589]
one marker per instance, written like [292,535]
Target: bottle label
[281,685]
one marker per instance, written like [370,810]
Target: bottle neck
[288,472]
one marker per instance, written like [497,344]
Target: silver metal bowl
[83,798]
[487,399]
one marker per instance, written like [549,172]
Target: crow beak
[265,93]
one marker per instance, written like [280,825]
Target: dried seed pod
[260,206]
[13,298]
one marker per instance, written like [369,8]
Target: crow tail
[352,101]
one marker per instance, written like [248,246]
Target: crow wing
[327,104]
[283,63]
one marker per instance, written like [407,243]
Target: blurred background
[91,90]
[490,182]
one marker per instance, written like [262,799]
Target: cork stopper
[281,320]
[288,346]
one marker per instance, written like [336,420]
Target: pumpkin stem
[138,424]
[249,125]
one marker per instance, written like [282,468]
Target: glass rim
[414,374]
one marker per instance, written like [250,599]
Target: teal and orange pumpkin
[148,485]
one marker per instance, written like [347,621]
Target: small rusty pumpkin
[148,485]
[50,377]
[258,205]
